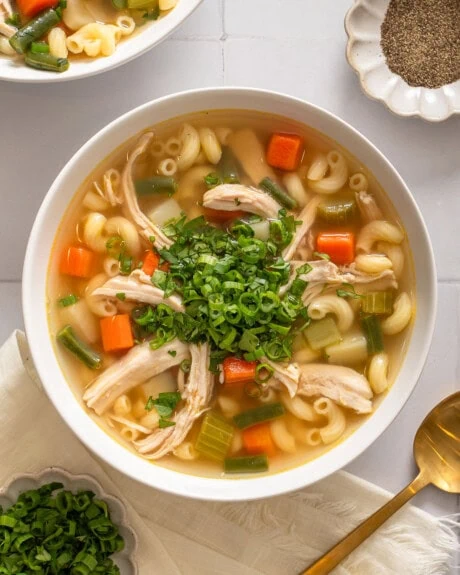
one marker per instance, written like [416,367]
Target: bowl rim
[128,50]
[95,439]
[351,38]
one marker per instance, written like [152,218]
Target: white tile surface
[293,46]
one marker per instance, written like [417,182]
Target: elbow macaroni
[95,39]
[57,43]
[281,436]
[336,305]
[299,407]
[336,179]
[190,149]
[102,307]
[376,231]
[167,167]
[401,316]
[318,168]
[210,145]
[378,372]
[395,254]
[358,182]
[295,188]
[336,420]
[372,263]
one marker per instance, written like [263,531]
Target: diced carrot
[223,215]
[285,151]
[258,439]
[238,371]
[116,333]
[151,263]
[77,262]
[340,247]
[30,8]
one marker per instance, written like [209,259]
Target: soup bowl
[14,69]
[36,312]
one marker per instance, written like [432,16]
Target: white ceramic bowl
[9,494]
[365,56]
[14,69]
[35,277]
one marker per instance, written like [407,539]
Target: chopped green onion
[68,300]
[349,291]
[379,303]
[248,464]
[373,332]
[79,348]
[277,193]
[322,333]
[215,437]
[256,415]
[263,372]
[212,180]
[322,256]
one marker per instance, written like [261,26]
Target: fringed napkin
[278,536]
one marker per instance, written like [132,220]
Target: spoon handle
[335,555]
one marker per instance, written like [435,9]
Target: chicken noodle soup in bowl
[232,293]
[39,39]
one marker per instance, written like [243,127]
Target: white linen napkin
[278,536]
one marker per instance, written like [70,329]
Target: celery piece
[340,210]
[322,333]
[215,436]
[380,303]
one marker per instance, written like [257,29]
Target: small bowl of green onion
[57,522]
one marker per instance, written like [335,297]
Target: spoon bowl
[437,445]
[437,453]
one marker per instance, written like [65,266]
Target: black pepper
[421,41]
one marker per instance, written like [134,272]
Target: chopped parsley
[165,404]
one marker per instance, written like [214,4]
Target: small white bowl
[14,69]
[36,311]
[9,494]
[365,56]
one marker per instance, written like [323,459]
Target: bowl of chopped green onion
[57,522]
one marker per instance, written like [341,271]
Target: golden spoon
[437,453]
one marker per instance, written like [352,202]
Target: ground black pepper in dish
[421,41]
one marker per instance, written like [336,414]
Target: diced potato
[164,212]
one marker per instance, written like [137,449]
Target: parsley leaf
[322,256]
[348,292]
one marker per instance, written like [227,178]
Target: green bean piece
[373,333]
[79,348]
[34,30]
[248,464]
[277,193]
[379,303]
[256,415]
[156,185]
[46,62]
[228,167]
[120,4]
[39,48]
[340,210]
[142,4]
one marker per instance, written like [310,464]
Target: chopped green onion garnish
[68,300]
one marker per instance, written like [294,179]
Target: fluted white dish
[125,559]
[14,69]
[365,56]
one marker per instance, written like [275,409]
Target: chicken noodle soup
[49,33]
[230,292]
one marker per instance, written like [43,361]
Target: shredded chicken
[231,197]
[368,207]
[324,273]
[137,366]
[307,217]
[287,374]
[341,384]
[197,396]
[137,287]
[131,209]
[5,11]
